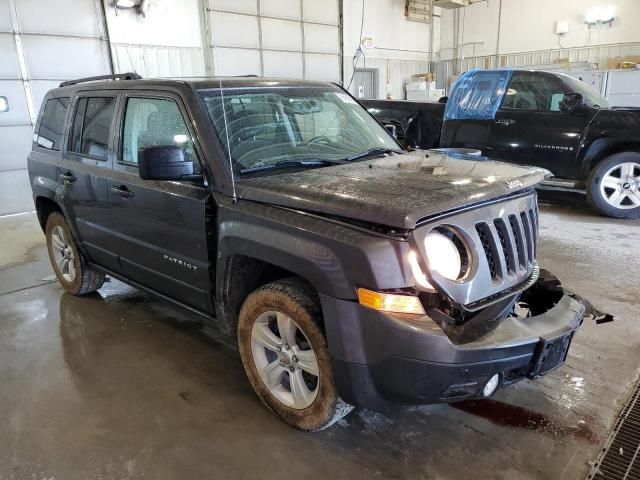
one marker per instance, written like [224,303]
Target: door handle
[67,177]
[123,191]
[505,121]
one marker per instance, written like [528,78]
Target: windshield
[591,97]
[271,126]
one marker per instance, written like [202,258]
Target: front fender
[334,258]
[610,132]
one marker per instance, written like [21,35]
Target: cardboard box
[615,63]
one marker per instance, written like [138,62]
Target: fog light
[491,385]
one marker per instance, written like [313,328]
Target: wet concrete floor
[119,385]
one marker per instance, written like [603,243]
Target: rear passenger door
[161,226]
[83,174]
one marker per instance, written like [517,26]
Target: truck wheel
[285,355]
[73,272]
[613,187]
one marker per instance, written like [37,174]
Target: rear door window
[50,133]
[92,126]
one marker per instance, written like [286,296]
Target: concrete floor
[118,385]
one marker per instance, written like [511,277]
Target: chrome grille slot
[528,232]
[518,233]
[508,245]
[489,247]
[533,214]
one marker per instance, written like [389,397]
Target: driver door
[531,129]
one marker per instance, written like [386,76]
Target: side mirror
[392,130]
[572,103]
[164,163]
[443,99]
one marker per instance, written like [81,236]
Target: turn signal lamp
[388,302]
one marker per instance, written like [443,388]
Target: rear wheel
[613,187]
[285,355]
[69,265]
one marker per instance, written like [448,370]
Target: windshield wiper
[371,152]
[290,164]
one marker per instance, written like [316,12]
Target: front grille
[510,246]
[500,238]
[620,457]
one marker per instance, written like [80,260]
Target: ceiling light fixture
[137,5]
[600,16]
[126,3]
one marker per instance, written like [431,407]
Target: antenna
[226,131]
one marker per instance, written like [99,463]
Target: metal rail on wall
[596,55]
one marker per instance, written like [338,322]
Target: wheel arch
[603,148]
[242,275]
[44,207]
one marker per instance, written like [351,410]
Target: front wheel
[613,188]
[285,355]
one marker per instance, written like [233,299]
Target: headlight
[443,256]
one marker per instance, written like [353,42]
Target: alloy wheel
[285,360]
[63,254]
[620,186]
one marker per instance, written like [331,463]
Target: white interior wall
[165,42]
[529,25]
[400,47]
[39,48]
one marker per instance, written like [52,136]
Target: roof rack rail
[117,76]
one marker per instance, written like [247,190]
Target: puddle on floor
[509,415]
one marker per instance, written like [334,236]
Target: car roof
[188,83]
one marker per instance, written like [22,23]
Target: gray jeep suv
[351,272]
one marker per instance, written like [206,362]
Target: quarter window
[91,126]
[49,134]
[151,122]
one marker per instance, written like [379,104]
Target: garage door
[280,38]
[41,43]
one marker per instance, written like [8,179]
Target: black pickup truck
[349,271]
[545,119]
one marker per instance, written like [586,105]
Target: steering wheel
[319,139]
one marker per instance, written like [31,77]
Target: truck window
[91,127]
[50,133]
[153,122]
[534,92]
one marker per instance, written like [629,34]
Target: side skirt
[207,316]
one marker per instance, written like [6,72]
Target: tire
[70,266]
[613,187]
[285,314]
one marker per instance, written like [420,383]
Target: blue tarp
[477,95]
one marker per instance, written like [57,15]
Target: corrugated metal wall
[280,38]
[41,44]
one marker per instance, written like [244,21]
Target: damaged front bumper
[381,359]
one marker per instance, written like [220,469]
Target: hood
[396,191]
